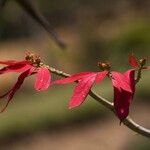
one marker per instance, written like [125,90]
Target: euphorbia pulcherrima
[126,97]
[123,98]
[31,65]
[123,83]
[123,87]
[133,61]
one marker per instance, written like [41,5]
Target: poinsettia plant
[32,65]
[122,83]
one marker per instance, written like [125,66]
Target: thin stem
[139,72]
[142,62]
[128,121]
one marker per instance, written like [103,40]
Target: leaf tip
[133,61]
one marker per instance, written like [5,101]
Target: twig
[32,9]
[128,121]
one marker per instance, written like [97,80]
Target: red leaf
[12,62]
[122,100]
[16,67]
[130,75]
[120,81]
[81,91]
[8,62]
[100,76]
[73,78]
[133,61]
[16,87]
[43,79]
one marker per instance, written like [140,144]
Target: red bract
[43,79]
[120,81]
[17,85]
[85,82]
[122,97]
[14,66]
[28,67]
[123,88]
[133,61]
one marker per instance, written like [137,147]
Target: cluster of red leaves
[25,68]
[123,83]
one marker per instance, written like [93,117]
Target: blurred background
[97,30]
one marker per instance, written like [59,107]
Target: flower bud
[142,61]
[104,66]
